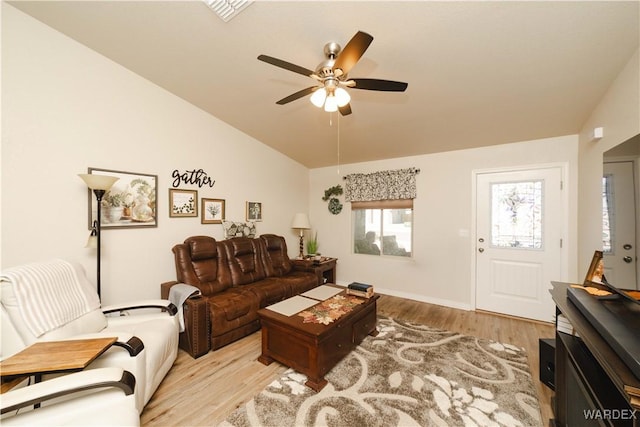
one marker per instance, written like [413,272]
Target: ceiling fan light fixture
[342,97]
[331,104]
[318,97]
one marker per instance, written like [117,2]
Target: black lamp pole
[99,184]
[97,224]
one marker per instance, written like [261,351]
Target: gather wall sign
[192,177]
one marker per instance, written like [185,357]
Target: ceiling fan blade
[352,52]
[298,95]
[286,65]
[383,85]
[346,110]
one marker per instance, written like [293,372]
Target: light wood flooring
[204,391]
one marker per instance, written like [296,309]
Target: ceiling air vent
[227,9]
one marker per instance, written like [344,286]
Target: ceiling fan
[331,76]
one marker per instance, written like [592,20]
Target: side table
[325,268]
[51,356]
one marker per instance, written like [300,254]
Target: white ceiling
[479,73]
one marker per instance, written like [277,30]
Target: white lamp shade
[318,97]
[301,221]
[92,242]
[98,182]
[342,96]
[331,104]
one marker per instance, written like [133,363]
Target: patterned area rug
[409,375]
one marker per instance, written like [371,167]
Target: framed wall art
[254,211]
[183,203]
[595,274]
[130,203]
[212,211]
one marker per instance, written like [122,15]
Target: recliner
[147,342]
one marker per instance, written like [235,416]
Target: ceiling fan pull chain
[338,145]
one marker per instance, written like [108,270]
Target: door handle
[480,250]
[627,259]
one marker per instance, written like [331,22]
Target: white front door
[619,225]
[518,241]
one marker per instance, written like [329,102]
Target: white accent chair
[147,331]
[89,398]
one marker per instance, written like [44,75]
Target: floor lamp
[301,222]
[99,184]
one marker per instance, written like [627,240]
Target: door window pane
[516,215]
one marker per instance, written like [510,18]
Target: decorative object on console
[335,207]
[596,270]
[596,283]
[254,211]
[99,184]
[238,229]
[129,203]
[301,222]
[183,203]
[212,211]
[312,246]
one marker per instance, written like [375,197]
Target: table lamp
[301,222]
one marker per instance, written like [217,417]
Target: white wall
[619,114]
[66,108]
[443,242]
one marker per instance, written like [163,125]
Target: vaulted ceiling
[479,73]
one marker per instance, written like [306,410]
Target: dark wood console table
[593,384]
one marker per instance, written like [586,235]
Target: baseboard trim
[421,298]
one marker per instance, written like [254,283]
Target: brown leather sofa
[236,277]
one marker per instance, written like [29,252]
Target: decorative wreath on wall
[335,207]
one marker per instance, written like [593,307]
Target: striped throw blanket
[50,294]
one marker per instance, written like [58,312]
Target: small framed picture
[183,203]
[212,211]
[254,211]
[595,274]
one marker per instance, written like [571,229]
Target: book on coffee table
[360,289]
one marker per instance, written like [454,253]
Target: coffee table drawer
[334,347]
[364,326]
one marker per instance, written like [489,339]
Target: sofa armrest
[196,338]
[165,287]
[66,385]
[162,304]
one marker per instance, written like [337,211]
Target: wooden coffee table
[314,348]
